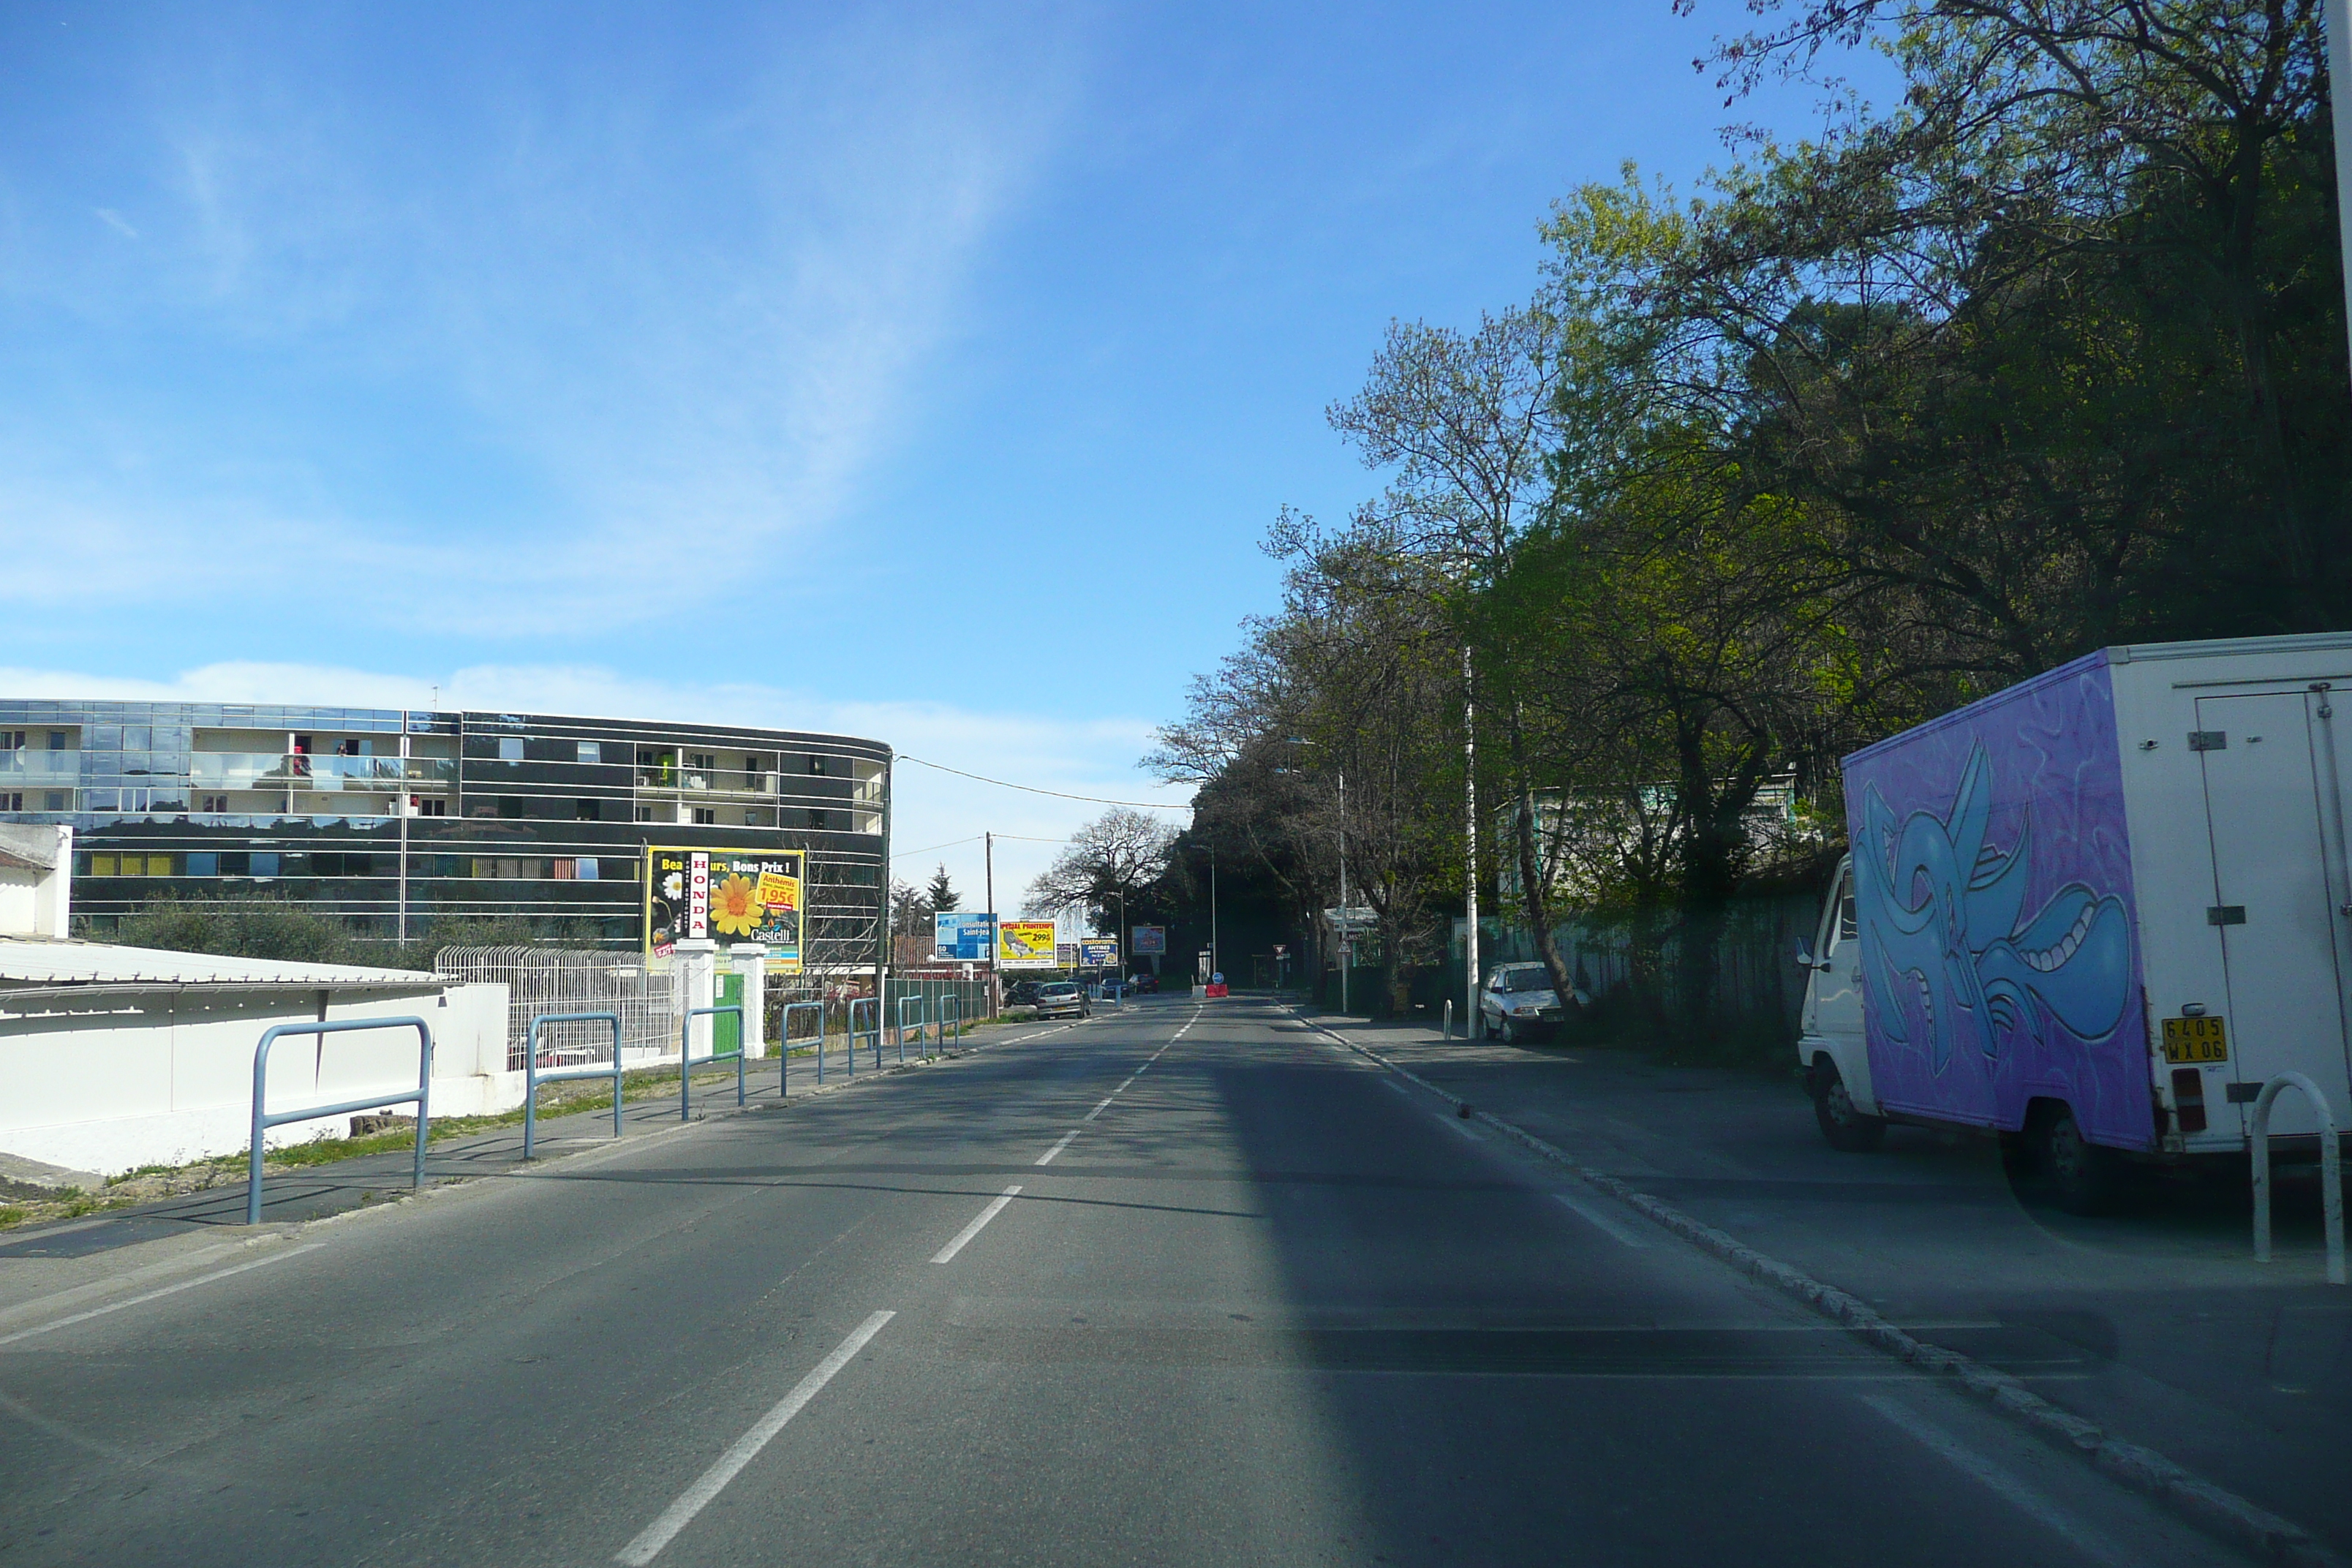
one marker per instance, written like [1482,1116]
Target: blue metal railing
[686,1050]
[874,1004]
[784,1043]
[901,1031]
[262,1122]
[957,1038]
[532,1078]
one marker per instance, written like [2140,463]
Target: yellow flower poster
[725,896]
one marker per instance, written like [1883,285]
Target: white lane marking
[691,1501]
[152,1295]
[1591,1215]
[1047,1157]
[1387,1082]
[1098,1110]
[2019,1495]
[996,1208]
[1122,1089]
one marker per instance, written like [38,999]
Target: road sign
[1150,939]
[962,935]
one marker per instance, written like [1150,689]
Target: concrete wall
[168,1079]
[37,904]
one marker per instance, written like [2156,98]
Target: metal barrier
[784,1043]
[2331,1173]
[263,1123]
[901,1030]
[956,1039]
[685,1055]
[874,1003]
[532,1078]
[1449,1020]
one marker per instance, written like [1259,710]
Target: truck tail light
[2188,1099]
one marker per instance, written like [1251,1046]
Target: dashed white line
[1591,1213]
[2023,1497]
[1098,1110]
[69,1320]
[695,1498]
[1047,1157]
[996,1208]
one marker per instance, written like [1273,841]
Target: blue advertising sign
[964,935]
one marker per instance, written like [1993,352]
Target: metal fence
[649,1002]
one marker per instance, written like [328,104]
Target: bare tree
[1113,859]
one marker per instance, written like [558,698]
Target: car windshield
[1064,989]
[1523,980]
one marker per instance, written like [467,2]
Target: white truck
[2095,912]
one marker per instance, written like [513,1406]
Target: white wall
[171,1079]
[37,904]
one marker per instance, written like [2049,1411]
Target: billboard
[1026,945]
[962,935]
[1150,939]
[1098,953]
[726,895]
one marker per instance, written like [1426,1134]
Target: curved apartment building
[394,819]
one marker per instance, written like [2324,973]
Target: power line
[1023,837]
[1033,789]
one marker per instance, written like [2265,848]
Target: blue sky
[918,373]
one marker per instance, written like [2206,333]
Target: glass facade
[396,820]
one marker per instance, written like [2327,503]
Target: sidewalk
[2157,1323]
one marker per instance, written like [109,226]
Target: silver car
[1518,1002]
[1063,999]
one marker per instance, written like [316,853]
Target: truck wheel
[1847,1128]
[2083,1176]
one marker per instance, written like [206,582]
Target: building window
[203,863]
[510,748]
[56,740]
[587,810]
[301,745]
[707,762]
[751,819]
[592,752]
[215,803]
[421,805]
[816,767]
[12,739]
[707,816]
[816,818]
[54,800]
[509,806]
[14,801]
[265,862]
[645,814]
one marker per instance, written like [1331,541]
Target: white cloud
[1082,757]
[116,221]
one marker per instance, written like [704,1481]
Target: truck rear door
[2274,810]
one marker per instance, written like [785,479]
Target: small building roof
[28,848]
[63,964]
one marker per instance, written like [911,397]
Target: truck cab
[1832,1049]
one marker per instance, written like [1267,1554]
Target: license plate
[2191,1040]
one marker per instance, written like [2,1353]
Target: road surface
[1182,1284]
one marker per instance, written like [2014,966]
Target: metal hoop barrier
[917,1001]
[784,1043]
[2331,1172]
[946,1038]
[875,1004]
[532,1078]
[262,1122]
[685,1050]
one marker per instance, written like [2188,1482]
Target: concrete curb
[2219,1513]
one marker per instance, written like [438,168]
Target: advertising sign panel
[962,935]
[1150,939]
[1026,945]
[1098,953]
[725,896]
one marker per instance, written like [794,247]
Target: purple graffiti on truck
[1992,881]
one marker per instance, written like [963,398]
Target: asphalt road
[1180,1284]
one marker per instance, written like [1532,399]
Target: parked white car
[1518,1002]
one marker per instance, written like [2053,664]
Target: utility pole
[1470,820]
[2339,89]
[995,997]
[881,913]
[1216,965]
[1346,920]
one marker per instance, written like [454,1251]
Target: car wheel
[1847,1130]
[2082,1177]
[1510,1034]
